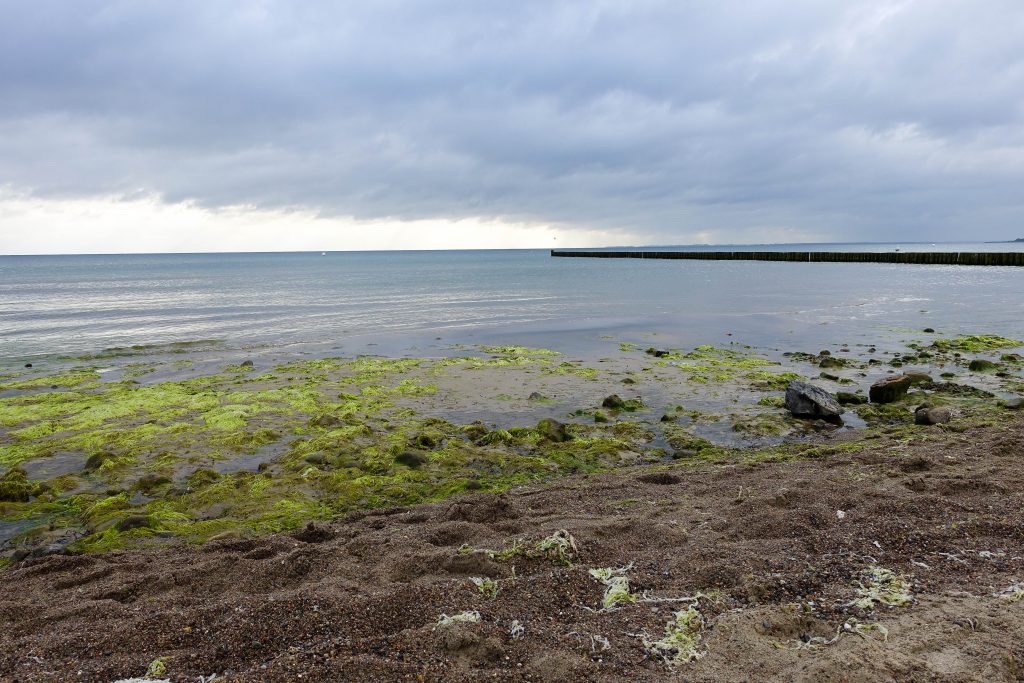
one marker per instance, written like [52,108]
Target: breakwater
[951,258]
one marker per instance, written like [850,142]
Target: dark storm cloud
[859,120]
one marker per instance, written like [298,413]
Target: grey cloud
[860,120]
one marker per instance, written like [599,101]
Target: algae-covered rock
[847,398]
[553,430]
[411,459]
[890,389]
[917,376]
[15,486]
[808,401]
[613,402]
[324,420]
[135,522]
[981,365]
[1014,403]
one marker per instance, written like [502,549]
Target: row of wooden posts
[955,258]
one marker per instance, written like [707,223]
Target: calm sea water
[402,301]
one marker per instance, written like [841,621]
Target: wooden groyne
[946,258]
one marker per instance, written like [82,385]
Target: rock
[411,459]
[96,460]
[324,420]
[809,401]
[932,416]
[830,362]
[889,389]
[151,482]
[28,365]
[826,352]
[135,522]
[917,376]
[1014,403]
[847,398]
[553,430]
[829,376]
[629,380]
[247,364]
[613,402]
[535,396]
[929,330]
[981,365]
[657,353]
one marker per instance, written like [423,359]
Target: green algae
[73,378]
[976,343]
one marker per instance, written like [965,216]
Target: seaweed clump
[682,638]
[882,586]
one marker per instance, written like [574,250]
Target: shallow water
[399,302]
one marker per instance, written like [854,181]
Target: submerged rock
[808,401]
[246,364]
[932,416]
[847,398]
[890,389]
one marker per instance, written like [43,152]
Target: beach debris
[560,546]
[599,640]
[1014,593]
[808,401]
[468,617]
[616,584]
[516,630]
[682,638]
[488,587]
[840,514]
[882,586]
[851,627]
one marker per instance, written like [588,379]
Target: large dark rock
[890,389]
[808,401]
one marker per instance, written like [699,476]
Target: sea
[427,302]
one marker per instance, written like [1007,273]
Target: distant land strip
[951,258]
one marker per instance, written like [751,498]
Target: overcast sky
[207,125]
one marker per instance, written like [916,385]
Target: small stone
[324,420]
[28,365]
[917,376]
[553,430]
[135,522]
[614,402]
[929,330]
[411,459]
[830,362]
[847,398]
[247,363]
[535,396]
[981,365]
[1014,403]
[932,416]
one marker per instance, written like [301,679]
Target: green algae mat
[98,458]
